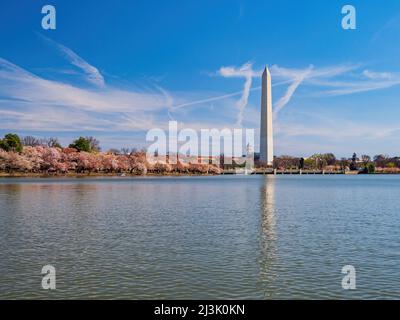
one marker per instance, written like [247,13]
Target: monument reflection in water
[268,236]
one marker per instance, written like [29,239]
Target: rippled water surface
[201,237]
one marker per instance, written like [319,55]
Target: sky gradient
[116,70]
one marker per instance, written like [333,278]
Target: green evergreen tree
[81,144]
[11,142]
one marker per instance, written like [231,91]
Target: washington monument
[266,133]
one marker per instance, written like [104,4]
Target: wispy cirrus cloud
[30,102]
[345,79]
[245,71]
[391,24]
[291,76]
[352,88]
[308,76]
[92,74]
[20,84]
[377,75]
[367,81]
[299,77]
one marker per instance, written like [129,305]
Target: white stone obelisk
[266,133]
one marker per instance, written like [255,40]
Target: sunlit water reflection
[257,237]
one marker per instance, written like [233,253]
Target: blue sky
[115,70]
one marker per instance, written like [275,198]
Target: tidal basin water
[250,237]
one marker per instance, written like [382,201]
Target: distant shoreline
[99,175]
[170,174]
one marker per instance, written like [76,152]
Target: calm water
[201,237]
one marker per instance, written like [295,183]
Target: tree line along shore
[29,156]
